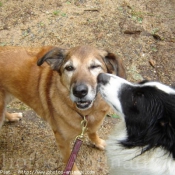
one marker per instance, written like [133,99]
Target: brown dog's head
[79,68]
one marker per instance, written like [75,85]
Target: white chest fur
[124,161]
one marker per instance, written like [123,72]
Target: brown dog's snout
[80,90]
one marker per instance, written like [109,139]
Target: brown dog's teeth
[83,102]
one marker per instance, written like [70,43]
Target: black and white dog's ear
[170,107]
[168,115]
[114,65]
[54,58]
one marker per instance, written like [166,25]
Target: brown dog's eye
[94,66]
[69,68]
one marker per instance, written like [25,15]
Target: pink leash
[73,156]
[76,147]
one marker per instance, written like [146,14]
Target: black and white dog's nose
[103,78]
[80,90]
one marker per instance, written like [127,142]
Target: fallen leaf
[152,62]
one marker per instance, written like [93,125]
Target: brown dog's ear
[54,58]
[114,65]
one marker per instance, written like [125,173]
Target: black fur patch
[150,118]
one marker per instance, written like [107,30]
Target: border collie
[143,143]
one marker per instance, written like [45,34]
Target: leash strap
[76,147]
[73,156]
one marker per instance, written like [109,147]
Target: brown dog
[61,89]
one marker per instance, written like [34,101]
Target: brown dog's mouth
[84,104]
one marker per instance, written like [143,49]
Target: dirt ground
[141,32]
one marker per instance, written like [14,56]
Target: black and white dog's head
[148,109]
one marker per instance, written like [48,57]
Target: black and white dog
[143,143]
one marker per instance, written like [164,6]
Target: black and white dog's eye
[69,68]
[140,94]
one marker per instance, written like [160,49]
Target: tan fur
[46,88]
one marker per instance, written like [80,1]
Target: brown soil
[141,32]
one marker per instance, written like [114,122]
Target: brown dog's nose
[103,78]
[80,90]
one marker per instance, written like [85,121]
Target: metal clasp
[84,123]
